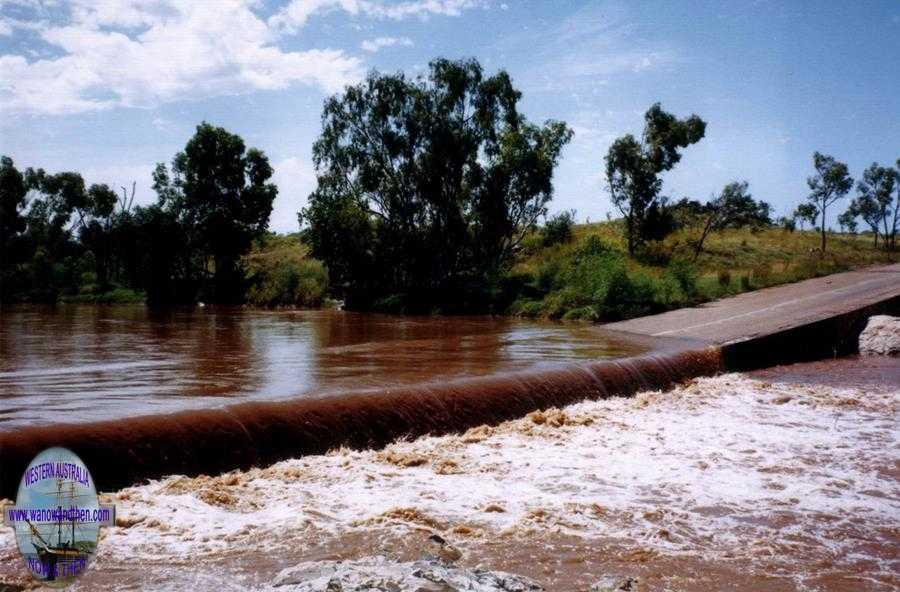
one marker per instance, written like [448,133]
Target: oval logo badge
[57,517]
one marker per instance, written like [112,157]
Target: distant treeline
[427,189]
[63,239]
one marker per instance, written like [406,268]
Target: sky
[111,87]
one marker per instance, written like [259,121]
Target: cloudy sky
[110,87]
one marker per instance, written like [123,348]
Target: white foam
[723,467]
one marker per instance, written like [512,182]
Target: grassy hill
[591,276]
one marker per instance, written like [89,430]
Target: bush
[685,275]
[558,229]
[761,275]
[593,245]
[724,277]
[289,282]
[114,296]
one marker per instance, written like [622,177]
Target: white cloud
[296,179]
[297,12]
[146,52]
[118,176]
[5,28]
[373,45]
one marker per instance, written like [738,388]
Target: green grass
[592,277]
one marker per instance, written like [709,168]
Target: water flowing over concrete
[210,441]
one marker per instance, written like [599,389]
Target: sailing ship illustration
[64,546]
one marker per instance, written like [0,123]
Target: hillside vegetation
[590,276]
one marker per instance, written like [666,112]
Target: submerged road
[775,310]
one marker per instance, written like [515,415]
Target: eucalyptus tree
[633,166]
[807,212]
[733,207]
[874,201]
[426,186]
[219,193]
[831,182]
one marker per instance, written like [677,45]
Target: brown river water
[86,363]
[781,479]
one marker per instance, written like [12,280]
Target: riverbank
[592,277]
[783,479]
[587,276]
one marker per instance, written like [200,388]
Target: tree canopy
[633,167]
[733,207]
[874,202]
[60,236]
[831,182]
[219,192]
[427,186]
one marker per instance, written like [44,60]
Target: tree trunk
[629,230]
[823,229]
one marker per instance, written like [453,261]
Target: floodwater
[766,481]
[84,363]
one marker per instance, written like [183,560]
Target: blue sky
[109,88]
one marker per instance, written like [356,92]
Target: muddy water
[737,482]
[85,363]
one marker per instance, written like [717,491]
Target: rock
[378,574]
[613,584]
[881,336]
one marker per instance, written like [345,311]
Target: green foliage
[558,229]
[114,296]
[685,275]
[847,220]
[806,212]
[280,274]
[734,207]
[592,282]
[427,187]
[220,194]
[633,168]
[831,182]
[77,241]
[724,278]
[593,278]
[13,244]
[875,202]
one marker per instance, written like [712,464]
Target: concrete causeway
[815,318]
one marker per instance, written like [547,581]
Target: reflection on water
[74,363]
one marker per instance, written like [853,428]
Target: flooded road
[84,363]
[744,482]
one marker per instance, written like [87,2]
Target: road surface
[772,310]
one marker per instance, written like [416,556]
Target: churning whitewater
[774,485]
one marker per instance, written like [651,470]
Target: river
[85,363]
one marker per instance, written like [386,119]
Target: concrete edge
[831,337]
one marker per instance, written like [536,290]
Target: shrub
[558,229]
[724,277]
[685,275]
[593,245]
[527,308]
[761,275]
[289,282]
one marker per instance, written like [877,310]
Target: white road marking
[768,308]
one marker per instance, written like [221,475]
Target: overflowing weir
[124,451]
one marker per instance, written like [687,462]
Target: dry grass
[666,275]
